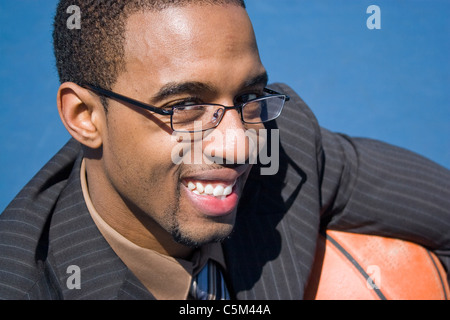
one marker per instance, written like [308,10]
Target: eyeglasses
[184,118]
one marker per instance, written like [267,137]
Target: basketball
[361,267]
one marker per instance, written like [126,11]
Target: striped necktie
[209,284]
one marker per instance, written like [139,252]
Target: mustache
[193,168]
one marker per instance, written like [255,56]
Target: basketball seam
[439,274]
[355,264]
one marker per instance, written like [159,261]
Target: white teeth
[200,187]
[228,190]
[191,186]
[219,191]
[209,189]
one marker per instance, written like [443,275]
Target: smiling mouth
[216,192]
[212,198]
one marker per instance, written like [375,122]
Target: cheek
[138,161]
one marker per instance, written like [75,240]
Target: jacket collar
[102,275]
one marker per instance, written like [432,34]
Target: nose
[229,142]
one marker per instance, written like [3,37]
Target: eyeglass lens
[254,112]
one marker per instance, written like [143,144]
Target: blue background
[390,84]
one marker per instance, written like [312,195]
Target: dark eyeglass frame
[165,112]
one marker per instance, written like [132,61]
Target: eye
[184,103]
[186,107]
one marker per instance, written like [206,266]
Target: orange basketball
[361,267]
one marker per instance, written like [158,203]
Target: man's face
[197,54]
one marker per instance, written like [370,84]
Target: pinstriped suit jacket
[325,180]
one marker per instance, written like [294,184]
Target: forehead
[189,38]
[189,24]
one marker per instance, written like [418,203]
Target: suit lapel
[271,251]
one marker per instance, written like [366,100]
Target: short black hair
[94,53]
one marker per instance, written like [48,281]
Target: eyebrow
[193,87]
[262,79]
[174,88]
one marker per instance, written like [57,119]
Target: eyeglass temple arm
[270,91]
[120,97]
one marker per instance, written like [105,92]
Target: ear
[82,114]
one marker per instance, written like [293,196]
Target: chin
[202,236]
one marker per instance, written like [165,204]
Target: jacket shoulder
[24,226]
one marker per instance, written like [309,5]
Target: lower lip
[211,206]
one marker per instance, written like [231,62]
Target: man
[112,216]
